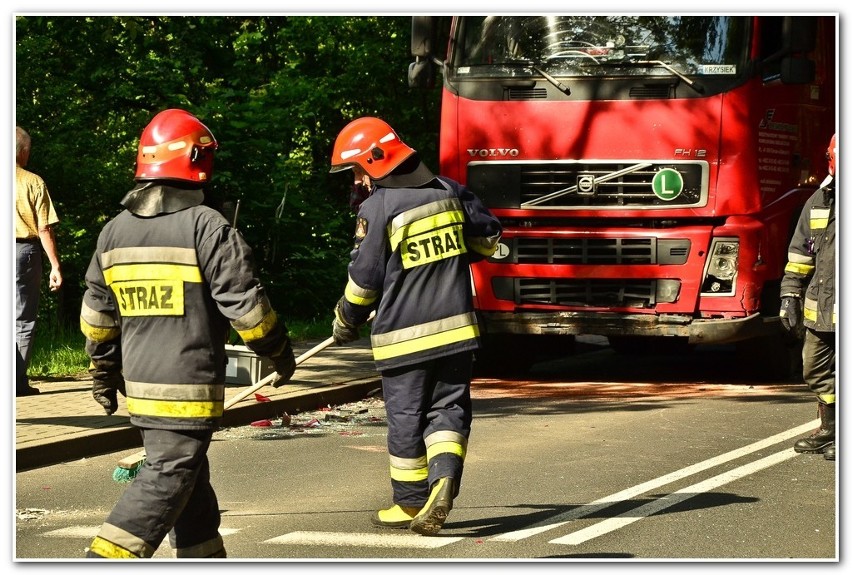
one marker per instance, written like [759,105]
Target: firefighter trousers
[429,415]
[818,363]
[171,496]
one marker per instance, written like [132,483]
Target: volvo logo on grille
[586,185]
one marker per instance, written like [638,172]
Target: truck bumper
[698,331]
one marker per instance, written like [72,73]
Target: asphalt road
[593,459]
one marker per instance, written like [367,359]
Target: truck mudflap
[698,331]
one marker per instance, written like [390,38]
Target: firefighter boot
[396,517]
[828,454]
[821,437]
[431,518]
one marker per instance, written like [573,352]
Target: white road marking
[621,496]
[609,525]
[361,539]
[340,539]
[92,530]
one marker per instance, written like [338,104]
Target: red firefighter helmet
[372,144]
[175,145]
[831,155]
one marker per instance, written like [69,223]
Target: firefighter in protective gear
[168,279]
[809,304]
[415,237]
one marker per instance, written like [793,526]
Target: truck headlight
[721,272]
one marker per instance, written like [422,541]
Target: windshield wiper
[562,87]
[535,67]
[694,85]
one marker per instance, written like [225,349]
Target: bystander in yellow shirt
[33,207]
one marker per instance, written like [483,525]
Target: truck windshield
[570,46]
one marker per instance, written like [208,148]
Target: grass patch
[59,351]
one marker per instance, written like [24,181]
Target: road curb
[121,437]
[335,394]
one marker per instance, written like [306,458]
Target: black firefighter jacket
[413,248]
[810,270]
[161,293]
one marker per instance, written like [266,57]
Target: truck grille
[597,251]
[582,293]
[586,293]
[582,251]
[576,185]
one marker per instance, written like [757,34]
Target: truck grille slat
[586,293]
[586,251]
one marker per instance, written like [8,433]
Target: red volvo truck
[648,172]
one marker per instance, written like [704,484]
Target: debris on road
[342,419]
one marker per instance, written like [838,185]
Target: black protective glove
[106,382]
[285,365]
[791,315]
[341,330]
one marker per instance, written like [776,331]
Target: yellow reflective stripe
[801,269]
[266,325]
[445,441]
[110,550]
[149,254]
[427,224]
[819,218]
[445,435]
[798,258]
[96,318]
[357,295]
[409,475]
[811,311]
[481,245]
[117,541]
[407,462]
[253,316]
[828,398]
[99,334]
[445,447]
[172,408]
[420,212]
[136,272]
[409,469]
[428,342]
[97,326]
[175,391]
[423,329]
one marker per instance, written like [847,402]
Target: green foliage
[59,351]
[275,90]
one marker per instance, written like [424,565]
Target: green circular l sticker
[667,184]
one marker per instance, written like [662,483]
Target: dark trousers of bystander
[27,284]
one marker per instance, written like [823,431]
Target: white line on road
[649,509]
[362,539]
[89,531]
[636,490]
